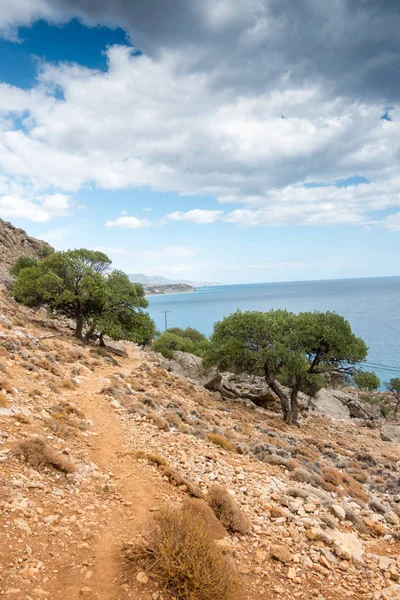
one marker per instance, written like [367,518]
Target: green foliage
[74,284]
[186,340]
[393,385]
[298,351]
[121,315]
[23,262]
[367,380]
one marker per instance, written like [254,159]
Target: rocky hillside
[14,243]
[93,445]
[171,288]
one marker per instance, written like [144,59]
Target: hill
[159,280]
[121,440]
[171,288]
[15,242]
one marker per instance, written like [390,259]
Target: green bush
[367,380]
[185,340]
[23,262]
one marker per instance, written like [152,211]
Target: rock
[85,592]
[277,512]
[357,410]
[142,577]
[390,432]
[347,546]
[391,593]
[338,511]
[15,242]
[281,553]
[331,403]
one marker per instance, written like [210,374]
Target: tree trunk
[89,333]
[397,409]
[101,340]
[79,326]
[286,409]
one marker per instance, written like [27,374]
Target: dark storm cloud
[350,46]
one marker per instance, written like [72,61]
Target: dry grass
[67,384]
[159,421]
[37,453]
[6,387]
[186,560]
[306,476]
[200,509]
[220,440]
[180,480]
[227,511]
[4,403]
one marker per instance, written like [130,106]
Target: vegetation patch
[38,453]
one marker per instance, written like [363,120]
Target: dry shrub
[227,511]
[4,369]
[53,387]
[342,483]
[67,384]
[200,509]
[35,392]
[172,418]
[159,421]
[37,453]
[179,479]
[156,459]
[4,403]
[186,560]
[220,440]
[305,476]
[6,387]
[3,351]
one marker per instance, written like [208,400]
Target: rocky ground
[323,500]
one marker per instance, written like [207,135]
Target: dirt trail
[137,493]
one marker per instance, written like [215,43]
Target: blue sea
[372,306]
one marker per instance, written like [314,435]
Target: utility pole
[164,312]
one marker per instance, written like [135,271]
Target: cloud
[37,210]
[196,216]
[251,44]
[391,222]
[190,116]
[151,254]
[129,223]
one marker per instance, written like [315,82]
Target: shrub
[177,339]
[198,508]
[220,440]
[37,453]
[186,559]
[227,511]
[6,387]
[367,380]
[179,479]
[159,421]
[305,476]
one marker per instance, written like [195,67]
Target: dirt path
[136,495]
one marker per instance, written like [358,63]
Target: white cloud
[129,223]
[151,254]
[37,210]
[196,216]
[392,222]
[173,130]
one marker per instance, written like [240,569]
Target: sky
[232,141]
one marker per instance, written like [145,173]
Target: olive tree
[297,351]
[367,381]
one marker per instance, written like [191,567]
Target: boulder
[391,593]
[191,366]
[390,432]
[331,403]
[347,546]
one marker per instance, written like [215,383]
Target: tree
[367,381]
[71,283]
[393,386]
[23,262]
[298,351]
[120,315]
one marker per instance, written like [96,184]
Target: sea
[371,305]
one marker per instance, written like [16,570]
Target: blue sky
[184,154]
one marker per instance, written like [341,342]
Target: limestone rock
[347,546]
[281,553]
[331,403]
[15,242]
[391,593]
[390,432]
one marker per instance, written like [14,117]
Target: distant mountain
[158,280]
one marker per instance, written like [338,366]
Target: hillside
[15,242]
[172,288]
[322,500]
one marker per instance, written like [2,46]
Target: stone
[277,512]
[390,432]
[347,546]
[281,553]
[331,403]
[142,577]
[338,511]
[391,593]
